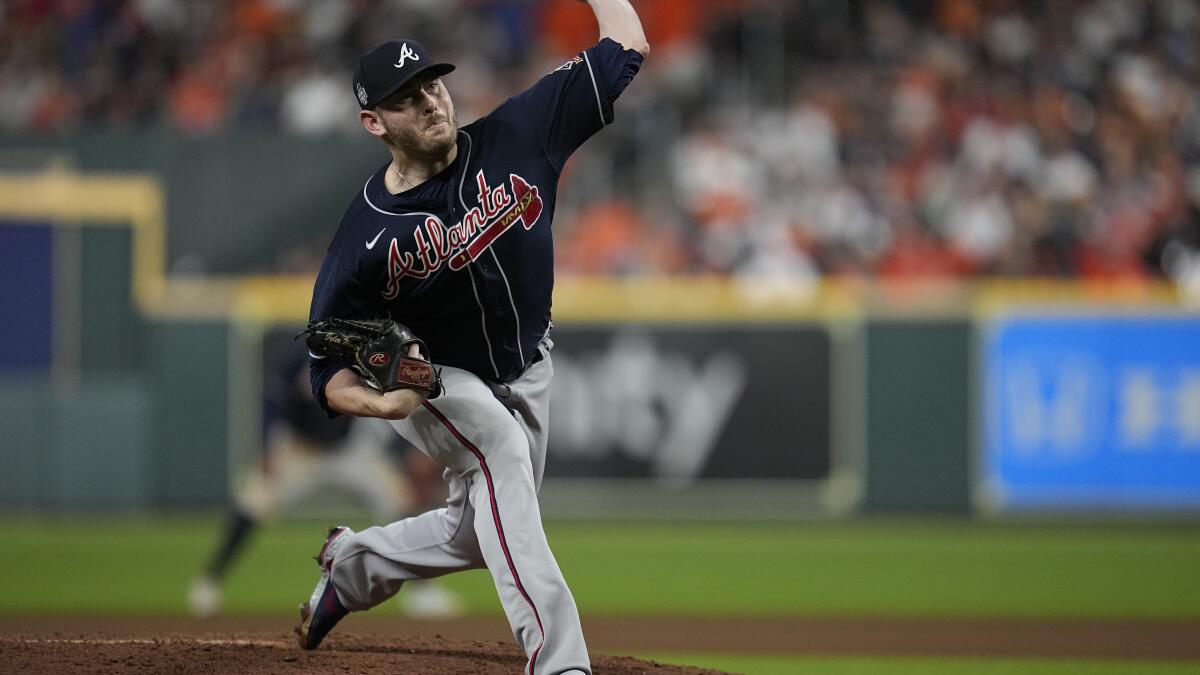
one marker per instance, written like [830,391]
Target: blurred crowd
[764,138]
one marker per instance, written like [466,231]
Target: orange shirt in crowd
[565,26]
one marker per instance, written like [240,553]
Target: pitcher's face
[420,119]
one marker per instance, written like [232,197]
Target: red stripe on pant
[512,567]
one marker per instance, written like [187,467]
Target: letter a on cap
[406,53]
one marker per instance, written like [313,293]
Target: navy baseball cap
[389,67]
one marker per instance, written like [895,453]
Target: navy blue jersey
[466,259]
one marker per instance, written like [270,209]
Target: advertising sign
[684,402]
[1086,412]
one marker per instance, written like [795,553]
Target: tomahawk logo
[459,244]
[406,53]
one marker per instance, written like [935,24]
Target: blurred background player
[306,454]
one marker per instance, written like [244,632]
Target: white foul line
[159,641]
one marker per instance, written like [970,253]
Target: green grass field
[862,568]
[905,665]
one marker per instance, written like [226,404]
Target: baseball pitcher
[432,310]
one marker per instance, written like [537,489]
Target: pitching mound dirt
[367,644]
[273,653]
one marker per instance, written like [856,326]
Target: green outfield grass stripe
[753,664]
[895,568]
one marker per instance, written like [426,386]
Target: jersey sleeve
[335,294]
[575,100]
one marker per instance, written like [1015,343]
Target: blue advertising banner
[1084,412]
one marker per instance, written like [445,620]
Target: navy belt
[538,356]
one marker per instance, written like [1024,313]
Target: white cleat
[324,609]
[204,597]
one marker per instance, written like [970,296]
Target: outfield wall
[125,387]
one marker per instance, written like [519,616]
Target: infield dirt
[483,645]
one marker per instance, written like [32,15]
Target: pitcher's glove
[377,350]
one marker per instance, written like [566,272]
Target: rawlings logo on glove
[378,351]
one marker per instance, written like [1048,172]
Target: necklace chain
[403,177]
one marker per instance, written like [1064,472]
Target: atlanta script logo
[464,241]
